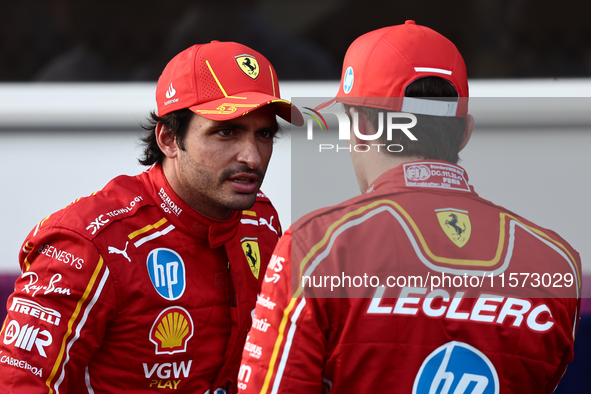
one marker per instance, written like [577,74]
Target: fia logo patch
[249,65]
[250,246]
[455,223]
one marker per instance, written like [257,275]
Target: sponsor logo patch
[167,273]
[455,224]
[31,308]
[348,80]
[61,255]
[26,337]
[21,364]
[435,175]
[456,367]
[249,65]
[33,288]
[168,374]
[250,246]
[171,331]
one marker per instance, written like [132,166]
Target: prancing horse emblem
[455,223]
[250,246]
[249,65]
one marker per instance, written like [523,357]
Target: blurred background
[109,40]
[77,79]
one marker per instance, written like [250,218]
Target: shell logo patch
[171,330]
[249,65]
[250,246]
[455,223]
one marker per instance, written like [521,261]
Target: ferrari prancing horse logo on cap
[248,64]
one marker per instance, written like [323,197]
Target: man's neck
[382,163]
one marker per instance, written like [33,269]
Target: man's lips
[244,183]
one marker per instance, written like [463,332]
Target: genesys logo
[172,330]
[392,124]
[167,273]
[27,336]
[61,255]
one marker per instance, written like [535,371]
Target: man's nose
[249,152]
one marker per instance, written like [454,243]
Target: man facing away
[411,287]
[149,283]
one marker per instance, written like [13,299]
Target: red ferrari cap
[380,65]
[221,81]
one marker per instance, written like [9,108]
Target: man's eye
[266,134]
[225,132]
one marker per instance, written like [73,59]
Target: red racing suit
[417,286]
[130,290]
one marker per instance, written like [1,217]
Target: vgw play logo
[345,130]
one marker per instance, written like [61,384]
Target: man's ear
[165,141]
[469,121]
[364,125]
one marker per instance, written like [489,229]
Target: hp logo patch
[167,273]
[456,368]
[348,80]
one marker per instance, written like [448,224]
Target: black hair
[438,137]
[176,124]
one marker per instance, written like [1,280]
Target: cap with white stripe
[380,65]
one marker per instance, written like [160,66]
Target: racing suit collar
[175,210]
[430,174]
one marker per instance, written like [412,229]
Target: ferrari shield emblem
[250,246]
[455,224]
[249,65]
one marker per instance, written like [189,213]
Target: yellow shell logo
[171,330]
[249,65]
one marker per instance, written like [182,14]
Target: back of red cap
[380,65]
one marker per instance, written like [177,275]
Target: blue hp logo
[456,368]
[348,80]
[167,273]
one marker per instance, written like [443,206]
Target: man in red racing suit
[135,289]
[418,285]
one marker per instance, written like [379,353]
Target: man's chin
[243,201]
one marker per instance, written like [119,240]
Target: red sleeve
[56,315]
[285,348]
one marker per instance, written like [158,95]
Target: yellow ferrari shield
[250,246]
[249,65]
[455,223]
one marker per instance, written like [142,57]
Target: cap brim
[232,107]
[325,104]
